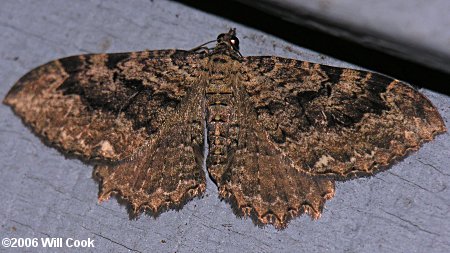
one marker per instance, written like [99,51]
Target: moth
[277,132]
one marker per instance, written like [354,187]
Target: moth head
[229,39]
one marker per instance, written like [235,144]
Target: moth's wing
[302,125]
[167,172]
[337,122]
[140,110]
[103,106]
[261,183]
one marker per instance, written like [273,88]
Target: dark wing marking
[337,122]
[103,106]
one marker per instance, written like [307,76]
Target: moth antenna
[202,46]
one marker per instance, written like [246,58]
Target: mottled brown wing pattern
[262,184]
[167,172]
[122,110]
[102,106]
[279,131]
[304,125]
[337,122]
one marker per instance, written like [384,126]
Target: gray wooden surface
[42,194]
[411,29]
